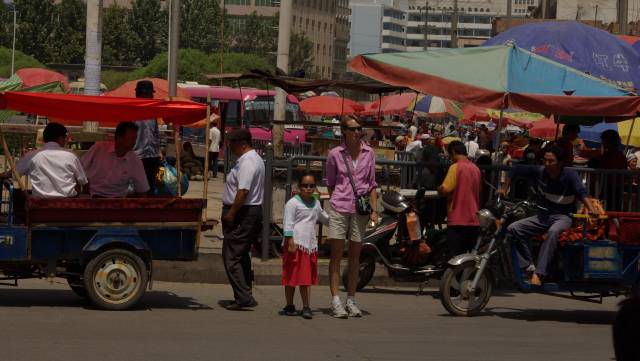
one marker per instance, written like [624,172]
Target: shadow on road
[590,317]
[63,298]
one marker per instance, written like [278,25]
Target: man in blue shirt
[148,143]
[559,189]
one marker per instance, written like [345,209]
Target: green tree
[301,55]
[119,41]
[199,25]
[22,61]
[67,44]
[258,35]
[35,27]
[149,22]
[6,25]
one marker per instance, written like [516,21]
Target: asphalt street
[43,321]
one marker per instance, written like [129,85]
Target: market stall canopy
[160,86]
[37,76]
[330,106]
[396,104]
[109,111]
[498,77]
[436,106]
[546,128]
[579,46]
[55,87]
[592,133]
[300,85]
[474,114]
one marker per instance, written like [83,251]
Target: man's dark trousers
[236,250]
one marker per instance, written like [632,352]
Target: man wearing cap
[148,142]
[55,171]
[241,217]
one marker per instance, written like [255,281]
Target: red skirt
[299,268]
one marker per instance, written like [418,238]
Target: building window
[264,2]
[237,2]
[317,49]
[317,69]
[313,25]
[329,50]
[324,50]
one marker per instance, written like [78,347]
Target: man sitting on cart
[112,166]
[558,188]
[55,172]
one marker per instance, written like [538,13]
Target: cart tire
[115,279]
[367,269]
[77,286]
[453,290]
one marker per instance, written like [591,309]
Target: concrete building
[414,25]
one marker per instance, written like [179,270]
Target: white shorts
[349,226]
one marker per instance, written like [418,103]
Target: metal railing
[619,190]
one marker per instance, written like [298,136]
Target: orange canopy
[160,86]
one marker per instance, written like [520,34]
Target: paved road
[42,321]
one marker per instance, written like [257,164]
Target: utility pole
[222,40]
[13,49]
[545,8]
[284,38]
[174,45]
[509,13]
[623,10]
[454,25]
[93,54]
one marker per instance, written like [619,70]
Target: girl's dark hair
[306,175]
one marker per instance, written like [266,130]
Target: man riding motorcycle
[559,188]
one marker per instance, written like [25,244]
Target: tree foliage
[149,21]
[35,27]
[6,25]
[301,55]
[119,41]
[257,36]
[22,61]
[68,35]
[200,25]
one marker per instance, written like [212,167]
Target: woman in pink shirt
[355,157]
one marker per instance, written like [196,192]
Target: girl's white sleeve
[323,217]
[289,218]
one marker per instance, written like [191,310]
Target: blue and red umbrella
[579,46]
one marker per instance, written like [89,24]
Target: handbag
[363,202]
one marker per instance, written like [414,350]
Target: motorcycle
[387,243]
[596,268]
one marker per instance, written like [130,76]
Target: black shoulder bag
[363,201]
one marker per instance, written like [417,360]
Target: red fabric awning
[109,111]
[330,106]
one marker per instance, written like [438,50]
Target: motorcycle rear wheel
[365,274]
[454,292]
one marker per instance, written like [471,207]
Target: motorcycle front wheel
[454,290]
[365,273]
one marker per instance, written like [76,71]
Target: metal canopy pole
[176,142]
[626,146]
[207,145]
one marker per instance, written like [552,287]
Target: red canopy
[109,111]
[160,86]
[37,76]
[397,104]
[545,128]
[330,105]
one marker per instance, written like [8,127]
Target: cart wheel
[115,279]
[367,269]
[455,296]
[77,286]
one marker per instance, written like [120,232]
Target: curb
[210,269]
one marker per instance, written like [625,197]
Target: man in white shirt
[472,146]
[55,172]
[112,166]
[241,216]
[214,147]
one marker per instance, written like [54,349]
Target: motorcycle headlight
[487,219]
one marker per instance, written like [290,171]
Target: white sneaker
[352,309]
[337,310]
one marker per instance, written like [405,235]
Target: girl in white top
[300,246]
